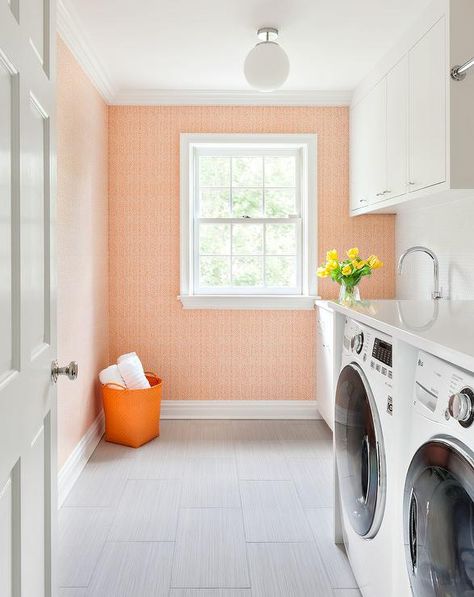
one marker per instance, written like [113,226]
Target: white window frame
[258,298]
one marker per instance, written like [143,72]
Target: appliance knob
[357,342]
[460,406]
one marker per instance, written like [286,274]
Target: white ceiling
[202,44]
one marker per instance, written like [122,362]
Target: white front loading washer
[364,445]
[438,500]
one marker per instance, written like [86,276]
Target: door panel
[33,475]
[6,221]
[36,205]
[37,12]
[397,129]
[427,106]
[6,538]
[27,301]
[377,125]
[359,154]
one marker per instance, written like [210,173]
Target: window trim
[306,143]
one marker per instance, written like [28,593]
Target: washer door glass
[439,520]
[359,452]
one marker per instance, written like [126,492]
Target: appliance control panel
[370,346]
[382,351]
[443,392]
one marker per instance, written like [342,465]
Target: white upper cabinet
[359,155]
[410,121]
[377,135]
[427,109]
[397,130]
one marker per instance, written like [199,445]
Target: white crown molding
[70,31]
[240,409]
[72,35]
[74,465]
[193,97]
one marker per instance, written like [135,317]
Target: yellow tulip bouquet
[348,272]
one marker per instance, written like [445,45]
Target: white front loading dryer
[364,444]
[437,544]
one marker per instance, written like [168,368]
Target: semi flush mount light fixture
[266,67]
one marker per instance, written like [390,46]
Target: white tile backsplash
[448,230]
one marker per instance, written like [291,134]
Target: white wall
[449,231]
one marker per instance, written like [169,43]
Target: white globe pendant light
[266,67]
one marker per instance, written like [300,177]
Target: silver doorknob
[71,371]
[460,407]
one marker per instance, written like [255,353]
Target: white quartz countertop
[442,327]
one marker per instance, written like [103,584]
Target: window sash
[245,290]
[247,151]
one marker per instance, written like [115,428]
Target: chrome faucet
[436,294]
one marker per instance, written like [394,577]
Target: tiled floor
[209,509]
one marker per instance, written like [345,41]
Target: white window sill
[289,303]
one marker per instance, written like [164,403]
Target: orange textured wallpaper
[219,355]
[82,237]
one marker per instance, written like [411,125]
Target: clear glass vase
[349,295]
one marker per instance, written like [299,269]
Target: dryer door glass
[439,519]
[359,452]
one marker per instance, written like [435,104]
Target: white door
[427,109]
[377,124]
[397,129]
[359,154]
[27,298]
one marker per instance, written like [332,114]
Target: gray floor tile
[72,592]
[210,593]
[304,431]
[304,448]
[100,484]
[272,512]
[334,556]
[287,569]
[313,478]
[175,430]
[148,511]
[137,569]
[210,550]
[261,460]
[82,535]
[210,439]
[346,593]
[107,451]
[250,430]
[210,483]
[159,459]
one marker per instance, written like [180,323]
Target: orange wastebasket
[132,417]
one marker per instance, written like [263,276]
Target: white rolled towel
[111,374]
[131,369]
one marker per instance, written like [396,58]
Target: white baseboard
[239,409]
[73,466]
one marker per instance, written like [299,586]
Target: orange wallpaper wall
[209,355]
[82,231]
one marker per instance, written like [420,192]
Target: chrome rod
[458,73]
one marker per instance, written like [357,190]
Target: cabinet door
[378,142]
[397,130]
[324,365]
[427,109]
[359,154]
